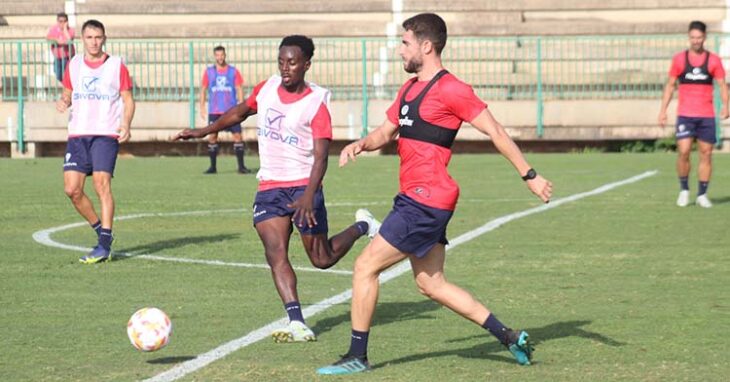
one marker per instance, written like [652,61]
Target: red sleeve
[392,112]
[251,101]
[677,65]
[239,78]
[125,81]
[204,80]
[67,79]
[460,99]
[322,123]
[715,67]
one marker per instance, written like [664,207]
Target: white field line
[44,237]
[223,350]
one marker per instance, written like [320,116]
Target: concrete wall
[564,121]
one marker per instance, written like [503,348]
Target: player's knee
[364,268]
[73,193]
[321,262]
[427,288]
[276,257]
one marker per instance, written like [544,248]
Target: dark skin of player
[276,232]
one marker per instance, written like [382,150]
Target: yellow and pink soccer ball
[149,329]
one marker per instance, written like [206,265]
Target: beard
[412,66]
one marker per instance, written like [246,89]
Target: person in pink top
[61,38]
[294,129]
[696,70]
[98,93]
[425,117]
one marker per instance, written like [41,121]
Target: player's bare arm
[203,97]
[373,141]
[724,114]
[304,206]
[486,123]
[234,115]
[666,98]
[64,102]
[129,106]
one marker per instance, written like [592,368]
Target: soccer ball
[149,329]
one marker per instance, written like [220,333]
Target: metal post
[717,101]
[21,104]
[192,85]
[365,99]
[539,89]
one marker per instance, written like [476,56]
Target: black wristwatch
[531,174]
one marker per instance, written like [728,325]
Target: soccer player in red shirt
[426,114]
[695,70]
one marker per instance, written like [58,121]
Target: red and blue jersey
[429,114]
[222,88]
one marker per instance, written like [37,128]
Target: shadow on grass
[171,360]
[151,248]
[489,350]
[722,200]
[386,313]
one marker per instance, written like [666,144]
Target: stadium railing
[363,69]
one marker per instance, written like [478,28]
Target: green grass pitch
[620,286]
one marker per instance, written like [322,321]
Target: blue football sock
[97,227]
[294,311]
[497,329]
[684,182]
[702,188]
[359,344]
[362,227]
[105,238]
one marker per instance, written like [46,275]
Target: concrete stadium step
[32,7]
[228,7]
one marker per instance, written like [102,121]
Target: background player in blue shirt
[222,86]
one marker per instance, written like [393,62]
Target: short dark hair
[697,25]
[219,48]
[428,26]
[96,24]
[303,42]
[61,14]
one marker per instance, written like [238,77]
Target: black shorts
[235,128]
[414,228]
[273,203]
[91,153]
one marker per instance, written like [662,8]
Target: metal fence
[507,68]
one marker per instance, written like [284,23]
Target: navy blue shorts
[236,128]
[272,203]
[91,153]
[414,228]
[696,127]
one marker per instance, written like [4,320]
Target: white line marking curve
[223,350]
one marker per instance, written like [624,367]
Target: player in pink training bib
[696,70]
[294,132]
[98,92]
